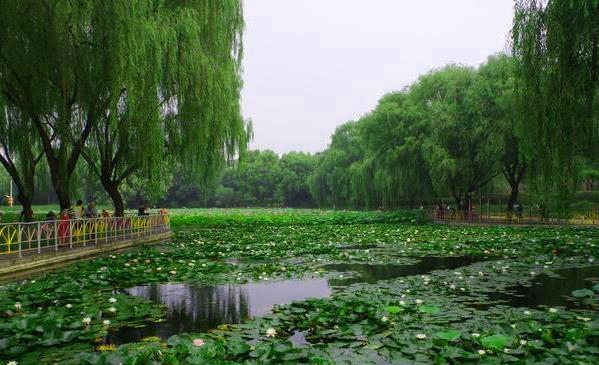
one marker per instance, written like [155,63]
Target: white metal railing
[30,238]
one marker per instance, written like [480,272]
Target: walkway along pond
[37,246]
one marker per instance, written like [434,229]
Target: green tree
[331,182]
[295,170]
[497,91]
[462,147]
[133,81]
[556,46]
[393,137]
[19,154]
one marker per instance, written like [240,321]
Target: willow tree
[19,154]
[393,137]
[556,45]
[462,147]
[142,79]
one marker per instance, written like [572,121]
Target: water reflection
[368,273]
[550,291]
[192,308]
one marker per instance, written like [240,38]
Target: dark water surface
[550,291]
[372,273]
[194,308]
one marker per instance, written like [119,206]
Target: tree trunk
[513,197]
[112,189]
[63,196]
[26,203]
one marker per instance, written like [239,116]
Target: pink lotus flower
[198,342]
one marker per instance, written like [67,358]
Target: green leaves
[496,342]
[430,309]
[581,293]
[450,335]
[395,309]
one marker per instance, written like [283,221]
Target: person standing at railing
[79,210]
[91,211]
[63,226]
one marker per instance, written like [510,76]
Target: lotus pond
[318,293]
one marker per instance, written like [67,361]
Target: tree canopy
[127,83]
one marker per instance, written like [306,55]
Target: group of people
[79,212]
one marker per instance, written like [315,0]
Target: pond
[550,290]
[194,308]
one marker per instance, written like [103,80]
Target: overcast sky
[311,65]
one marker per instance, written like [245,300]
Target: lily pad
[497,342]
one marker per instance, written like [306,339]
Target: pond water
[193,308]
[550,291]
[368,273]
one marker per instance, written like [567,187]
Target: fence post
[39,238]
[55,236]
[19,235]
[70,233]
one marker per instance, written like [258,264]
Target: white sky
[311,65]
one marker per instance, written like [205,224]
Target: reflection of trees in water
[367,273]
[550,291]
[193,308]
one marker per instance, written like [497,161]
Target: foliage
[126,85]
[555,44]
[287,217]
[412,318]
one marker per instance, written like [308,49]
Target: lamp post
[10,200]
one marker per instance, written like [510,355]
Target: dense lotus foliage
[445,316]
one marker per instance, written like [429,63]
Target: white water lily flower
[532,273]
[32,281]
[480,273]
[401,302]
[506,350]
[271,332]
[421,336]
[12,363]
[584,319]
[18,306]
[552,310]
[69,305]
[452,287]
[127,264]
[482,352]
[419,301]
[112,309]
[527,313]
[106,322]
[591,259]
[172,272]
[86,321]
[158,269]
[523,342]
[112,300]
[384,319]
[475,335]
